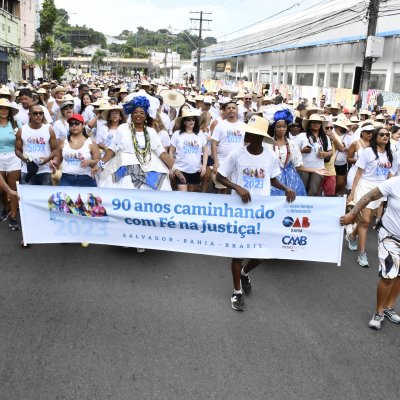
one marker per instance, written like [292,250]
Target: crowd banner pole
[21,213]
[342,228]
[202,223]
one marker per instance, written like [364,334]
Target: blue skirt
[290,178]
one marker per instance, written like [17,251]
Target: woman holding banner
[388,247]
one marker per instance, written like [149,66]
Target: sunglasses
[387,134]
[74,123]
[36,113]
[329,127]
[190,119]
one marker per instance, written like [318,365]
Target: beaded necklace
[281,154]
[143,155]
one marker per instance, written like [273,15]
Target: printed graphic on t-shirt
[253,178]
[234,136]
[73,158]
[35,145]
[191,147]
[382,169]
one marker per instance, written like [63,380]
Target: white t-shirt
[230,136]
[285,156]
[391,218]
[104,135]
[165,120]
[252,172]
[341,156]
[300,139]
[61,129]
[122,140]
[165,139]
[72,158]
[188,151]
[375,168]
[311,160]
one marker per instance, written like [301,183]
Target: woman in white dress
[136,158]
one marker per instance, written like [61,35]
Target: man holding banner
[251,170]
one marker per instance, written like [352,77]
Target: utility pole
[200,29]
[373,11]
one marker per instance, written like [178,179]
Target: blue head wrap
[283,115]
[139,101]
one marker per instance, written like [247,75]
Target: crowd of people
[147,136]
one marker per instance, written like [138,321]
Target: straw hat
[67,97]
[144,83]
[58,89]
[6,103]
[105,114]
[313,117]
[364,112]
[41,91]
[199,97]
[102,106]
[123,89]
[172,98]
[188,113]
[258,126]
[240,95]
[354,119]
[5,91]
[380,117]
[342,123]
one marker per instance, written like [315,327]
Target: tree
[48,17]
[98,59]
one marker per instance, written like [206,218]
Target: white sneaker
[362,260]
[391,315]
[376,321]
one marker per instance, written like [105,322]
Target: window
[280,77]
[347,80]
[250,77]
[289,79]
[321,79]
[304,78]
[334,79]
[24,29]
[264,76]
[377,81]
[396,83]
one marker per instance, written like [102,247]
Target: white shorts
[363,187]
[9,162]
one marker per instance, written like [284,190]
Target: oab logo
[300,223]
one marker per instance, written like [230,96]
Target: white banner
[219,225]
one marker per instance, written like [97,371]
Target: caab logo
[294,240]
[289,222]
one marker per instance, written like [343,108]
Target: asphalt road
[107,323]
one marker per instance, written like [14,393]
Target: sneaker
[13,224]
[376,321]
[246,284]
[237,301]
[391,315]
[362,260]
[352,243]
[4,214]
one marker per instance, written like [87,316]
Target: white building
[316,47]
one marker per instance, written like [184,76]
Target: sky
[112,17]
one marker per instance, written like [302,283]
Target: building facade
[319,47]
[10,61]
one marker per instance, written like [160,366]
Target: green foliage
[98,58]
[48,17]
[58,71]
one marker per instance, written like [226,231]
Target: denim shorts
[38,179]
[77,180]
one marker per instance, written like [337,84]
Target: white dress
[125,170]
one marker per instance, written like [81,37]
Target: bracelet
[101,164]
